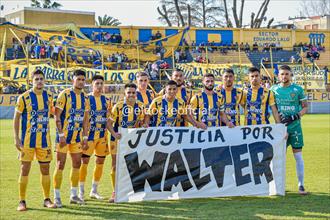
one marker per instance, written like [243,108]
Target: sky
[144,12]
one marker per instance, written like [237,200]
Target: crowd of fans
[312,51]
[106,37]
[224,48]
[36,49]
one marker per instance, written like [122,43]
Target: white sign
[185,162]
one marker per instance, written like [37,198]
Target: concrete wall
[37,16]
[43,17]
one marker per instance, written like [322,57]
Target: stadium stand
[324,59]
[278,56]
[10,54]
[231,57]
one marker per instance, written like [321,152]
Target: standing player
[100,108]
[256,101]
[128,113]
[142,93]
[292,105]
[71,116]
[231,97]
[167,109]
[182,93]
[207,105]
[34,107]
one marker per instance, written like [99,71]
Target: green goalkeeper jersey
[288,101]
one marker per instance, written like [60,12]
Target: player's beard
[209,88]
[228,85]
[179,85]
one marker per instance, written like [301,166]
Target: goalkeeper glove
[289,119]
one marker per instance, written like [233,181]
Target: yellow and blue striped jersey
[145,97]
[100,109]
[167,113]
[231,101]
[256,104]
[183,94]
[207,108]
[127,116]
[35,108]
[73,105]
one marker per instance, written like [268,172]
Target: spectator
[255,46]
[292,59]
[158,35]
[241,46]
[177,55]
[42,52]
[37,49]
[55,52]
[15,48]
[247,47]
[182,57]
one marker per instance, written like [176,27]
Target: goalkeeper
[292,105]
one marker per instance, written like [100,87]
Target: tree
[173,12]
[310,8]
[107,21]
[204,13]
[45,4]
[208,12]
[256,19]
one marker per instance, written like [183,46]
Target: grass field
[316,205]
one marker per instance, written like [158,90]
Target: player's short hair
[285,67]
[130,85]
[229,70]
[208,75]
[178,70]
[79,72]
[96,77]
[38,72]
[254,69]
[171,83]
[142,73]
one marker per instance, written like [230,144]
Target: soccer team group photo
[202,113]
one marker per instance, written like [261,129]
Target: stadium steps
[278,56]
[324,59]
[230,57]
[10,53]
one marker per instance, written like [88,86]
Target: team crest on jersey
[292,94]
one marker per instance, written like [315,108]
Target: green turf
[292,206]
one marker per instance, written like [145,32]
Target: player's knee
[60,164]
[76,164]
[25,168]
[296,150]
[44,168]
[100,159]
[85,159]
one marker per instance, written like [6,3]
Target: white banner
[175,163]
